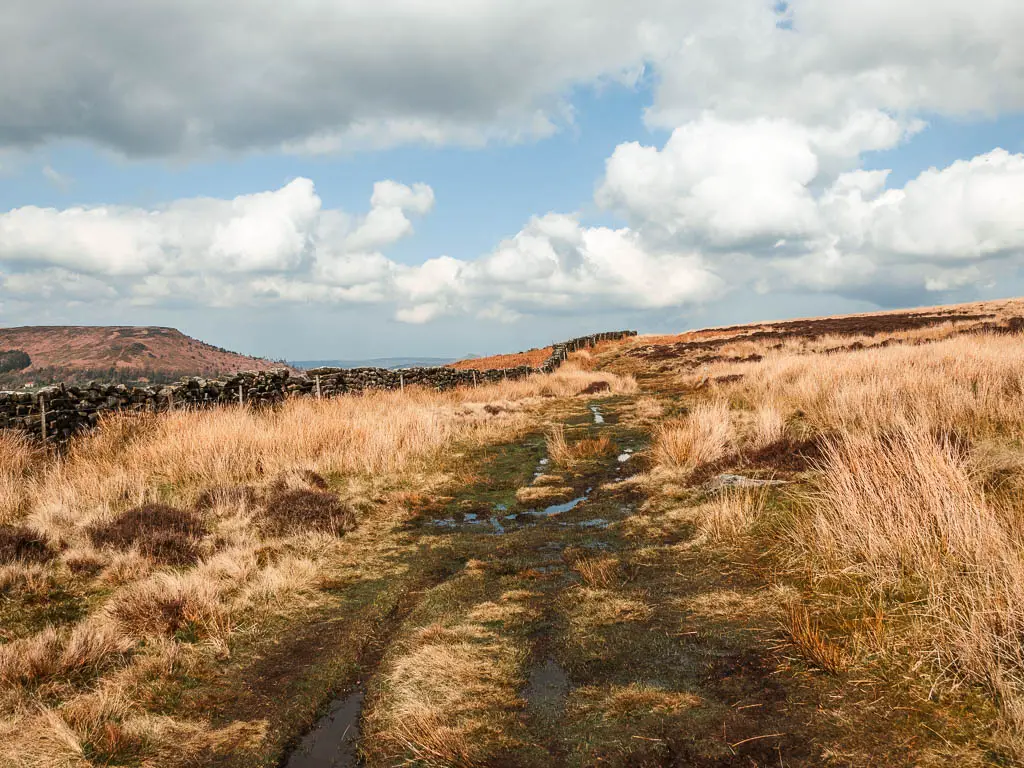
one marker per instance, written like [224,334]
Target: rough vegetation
[806,551]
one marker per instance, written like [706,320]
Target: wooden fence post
[318,395]
[241,399]
[42,416]
[474,378]
[401,381]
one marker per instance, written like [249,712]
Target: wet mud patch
[546,691]
[334,741]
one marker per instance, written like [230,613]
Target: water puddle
[546,690]
[495,520]
[598,416]
[334,741]
[557,509]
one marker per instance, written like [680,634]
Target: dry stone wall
[58,412]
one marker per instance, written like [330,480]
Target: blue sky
[535,173]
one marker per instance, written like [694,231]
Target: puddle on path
[557,509]
[542,467]
[334,740]
[598,416]
[546,690]
[471,519]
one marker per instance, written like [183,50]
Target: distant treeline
[14,360]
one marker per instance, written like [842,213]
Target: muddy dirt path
[591,625]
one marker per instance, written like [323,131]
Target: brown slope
[71,351]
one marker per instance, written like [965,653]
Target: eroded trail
[591,625]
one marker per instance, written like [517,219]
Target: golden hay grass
[257,483]
[905,507]
[703,436]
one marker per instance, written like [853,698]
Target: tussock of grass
[444,693]
[635,699]
[809,639]
[566,454]
[590,608]
[544,494]
[599,572]
[58,653]
[728,518]
[701,437]
[167,603]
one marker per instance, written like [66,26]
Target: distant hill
[127,354]
[391,363]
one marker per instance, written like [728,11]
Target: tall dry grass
[19,457]
[918,496]
[249,554]
[174,457]
[702,436]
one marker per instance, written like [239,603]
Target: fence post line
[170,401]
[401,381]
[474,378]
[241,400]
[42,416]
[318,395]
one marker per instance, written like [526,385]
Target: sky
[347,179]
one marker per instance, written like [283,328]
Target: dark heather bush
[19,543]
[167,534]
[299,510]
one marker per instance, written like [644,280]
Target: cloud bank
[772,107]
[181,77]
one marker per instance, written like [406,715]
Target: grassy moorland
[792,544]
[156,574]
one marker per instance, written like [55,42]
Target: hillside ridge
[123,353]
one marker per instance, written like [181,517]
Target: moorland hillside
[123,354]
[792,543]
